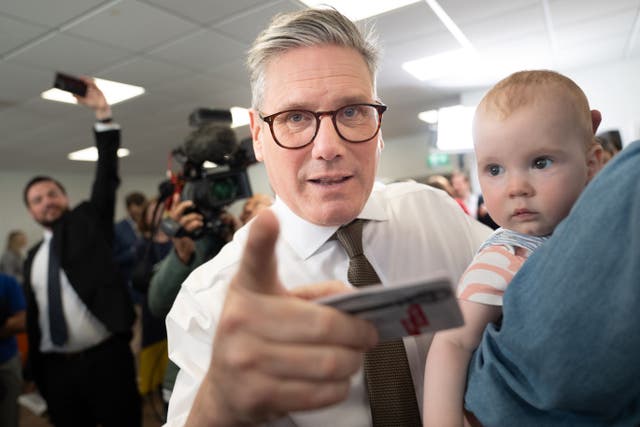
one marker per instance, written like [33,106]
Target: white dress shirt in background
[84,329]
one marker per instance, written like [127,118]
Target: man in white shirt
[251,347]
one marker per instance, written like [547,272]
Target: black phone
[70,84]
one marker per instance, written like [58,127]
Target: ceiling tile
[75,55]
[50,14]
[14,33]
[51,136]
[588,30]
[13,121]
[394,54]
[233,71]
[246,26]
[150,110]
[505,26]
[565,12]
[51,110]
[465,11]
[201,51]
[597,51]
[19,82]
[406,24]
[529,52]
[125,25]
[206,11]
[200,90]
[145,72]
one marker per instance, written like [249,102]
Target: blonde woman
[13,257]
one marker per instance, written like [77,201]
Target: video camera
[212,143]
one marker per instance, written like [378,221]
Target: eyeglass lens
[355,123]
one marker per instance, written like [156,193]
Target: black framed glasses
[354,123]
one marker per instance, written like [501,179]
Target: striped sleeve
[489,274]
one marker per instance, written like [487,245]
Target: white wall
[614,89]
[403,157]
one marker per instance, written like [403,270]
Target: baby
[534,141]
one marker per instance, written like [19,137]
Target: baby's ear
[594,159]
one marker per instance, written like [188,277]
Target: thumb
[258,270]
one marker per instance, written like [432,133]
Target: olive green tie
[388,377]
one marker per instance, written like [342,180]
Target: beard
[49,223]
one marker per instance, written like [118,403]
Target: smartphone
[70,84]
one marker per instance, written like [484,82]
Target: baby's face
[532,166]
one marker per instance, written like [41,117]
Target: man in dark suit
[79,313]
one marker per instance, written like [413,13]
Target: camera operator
[187,254]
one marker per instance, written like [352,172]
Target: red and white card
[402,310]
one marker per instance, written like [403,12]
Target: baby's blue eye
[494,170]
[542,163]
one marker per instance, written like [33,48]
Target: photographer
[186,255]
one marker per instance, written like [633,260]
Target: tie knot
[350,237]
[360,272]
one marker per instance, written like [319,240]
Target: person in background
[79,312]
[462,188]
[535,148]
[251,345]
[441,182]
[253,206]
[12,259]
[611,143]
[155,245]
[474,202]
[127,236]
[12,322]
[187,255]
[612,138]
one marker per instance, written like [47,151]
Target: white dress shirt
[414,233]
[84,329]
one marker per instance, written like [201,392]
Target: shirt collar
[306,238]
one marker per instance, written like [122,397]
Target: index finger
[258,271]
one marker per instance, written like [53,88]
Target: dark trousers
[95,386]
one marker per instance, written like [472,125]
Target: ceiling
[189,54]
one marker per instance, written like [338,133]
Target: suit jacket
[83,239]
[125,247]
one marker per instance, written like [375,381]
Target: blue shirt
[11,302]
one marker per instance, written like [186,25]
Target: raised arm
[106,182]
